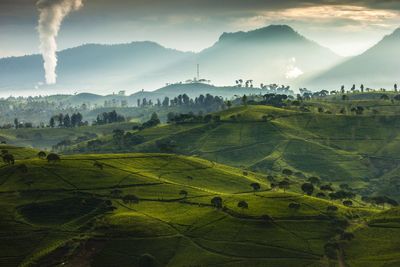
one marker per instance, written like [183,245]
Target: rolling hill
[376,68]
[123,209]
[362,154]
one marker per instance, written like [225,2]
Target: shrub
[332,208]
[147,260]
[216,202]
[294,206]
[53,158]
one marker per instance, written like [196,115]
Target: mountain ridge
[264,55]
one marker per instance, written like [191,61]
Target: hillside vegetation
[358,150]
[123,209]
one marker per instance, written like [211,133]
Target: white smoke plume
[51,15]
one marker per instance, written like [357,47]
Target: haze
[346,27]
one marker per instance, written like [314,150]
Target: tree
[154,118]
[331,208]
[118,136]
[255,186]
[42,155]
[98,165]
[287,172]
[326,187]
[308,188]
[183,193]
[67,121]
[395,87]
[130,199]
[8,159]
[314,180]
[16,123]
[52,122]
[165,102]
[147,260]
[362,88]
[244,100]
[53,158]
[294,206]
[384,97]
[216,202]
[348,203]
[243,205]
[342,89]
[284,185]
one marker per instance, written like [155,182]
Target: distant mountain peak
[269,32]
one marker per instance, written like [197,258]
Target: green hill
[360,151]
[111,209]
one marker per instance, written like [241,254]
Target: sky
[346,27]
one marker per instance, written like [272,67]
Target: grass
[65,213]
[363,150]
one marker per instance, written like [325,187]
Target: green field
[360,150]
[122,204]
[65,210]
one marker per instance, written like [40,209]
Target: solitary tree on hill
[8,159]
[243,205]
[308,188]
[147,260]
[216,202]
[42,155]
[284,185]
[183,193]
[256,187]
[53,158]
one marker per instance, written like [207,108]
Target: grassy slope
[62,212]
[363,150]
[45,138]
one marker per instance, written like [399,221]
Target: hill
[376,68]
[267,55]
[363,154]
[103,210]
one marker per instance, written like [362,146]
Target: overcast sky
[347,27]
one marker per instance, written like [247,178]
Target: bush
[147,260]
[332,208]
[294,206]
[217,202]
[53,158]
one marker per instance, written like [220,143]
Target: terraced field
[358,150]
[111,209]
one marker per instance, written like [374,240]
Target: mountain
[90,67]
[377,67]
[274,54]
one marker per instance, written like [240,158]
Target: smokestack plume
[51,15]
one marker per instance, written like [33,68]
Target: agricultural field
[359,150]
[46,138]
[123,209]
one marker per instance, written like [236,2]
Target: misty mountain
[274,54]
[89,67]
[376,68]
